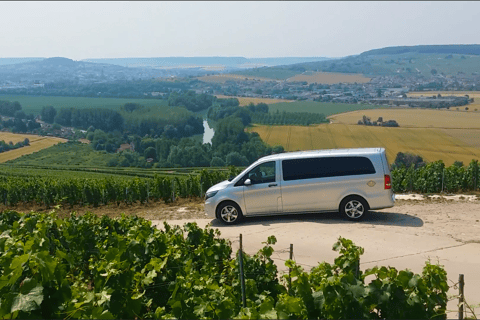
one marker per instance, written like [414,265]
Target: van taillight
[388,182]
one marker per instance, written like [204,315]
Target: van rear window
[309,168]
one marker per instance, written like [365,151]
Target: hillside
[62,69]
[204,62]
[466,49]
[446,60]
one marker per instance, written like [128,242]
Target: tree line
[260,114]
[10,146]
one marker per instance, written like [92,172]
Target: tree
[130,107]
[150,152]
[217,162]
[278,149]
[20,114]
[458,163]
[48,114]
[408,159]
[236,159]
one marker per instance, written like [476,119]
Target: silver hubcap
[354,209]
[229,214]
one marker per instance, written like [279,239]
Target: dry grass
[190,208]
[419,118]
[222,78]
[36,143]
[244,101]
[431,143]
[472,94]
[329,78]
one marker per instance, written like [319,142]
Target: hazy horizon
[109,30]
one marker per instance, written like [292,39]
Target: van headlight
[210,194]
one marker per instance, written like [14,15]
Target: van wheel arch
[348,207]
[228,205]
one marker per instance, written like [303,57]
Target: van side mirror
[247,182]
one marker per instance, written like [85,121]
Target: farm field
[472,94]
[269,73]
[244,101]
[424,118]
[431,143]
[327,108]
[34,104]
[37,143]
[329,78]
[222,78]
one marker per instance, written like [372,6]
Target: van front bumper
[210,207]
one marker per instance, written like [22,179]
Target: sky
[254,29]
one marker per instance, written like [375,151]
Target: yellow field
[420,118]
[329,78]
[36,143]
[222,78]
[244,101]
[472,94]
[431,143]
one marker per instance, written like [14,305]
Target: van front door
[261,189]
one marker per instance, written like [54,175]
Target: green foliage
[10,146]
[48,114]
[259,114]
[191,101]
[96,267]
[8,108]
[77,189]
[434,177]
[407,160]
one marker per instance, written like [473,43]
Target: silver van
[351,181]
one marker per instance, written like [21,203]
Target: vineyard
[57,189]
[101,268]
[102,186]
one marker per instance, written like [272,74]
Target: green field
[34,104]
[319,107]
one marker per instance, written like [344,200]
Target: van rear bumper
[382,202]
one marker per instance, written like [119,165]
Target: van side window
[297,169]
[263,173]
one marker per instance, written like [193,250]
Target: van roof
[312,153]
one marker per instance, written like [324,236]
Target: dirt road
[405,236]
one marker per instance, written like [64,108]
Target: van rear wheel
[229,213]
[354,208]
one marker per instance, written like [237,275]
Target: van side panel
[326,193]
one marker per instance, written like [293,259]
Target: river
[208,134]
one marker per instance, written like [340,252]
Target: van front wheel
[354,208]
[229,213]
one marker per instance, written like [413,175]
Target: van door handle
[272,185]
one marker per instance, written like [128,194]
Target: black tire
[229,213]
[354,208]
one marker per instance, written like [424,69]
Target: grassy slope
[78,155]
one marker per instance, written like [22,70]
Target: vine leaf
[29,298]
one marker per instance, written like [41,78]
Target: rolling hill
[447,60]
